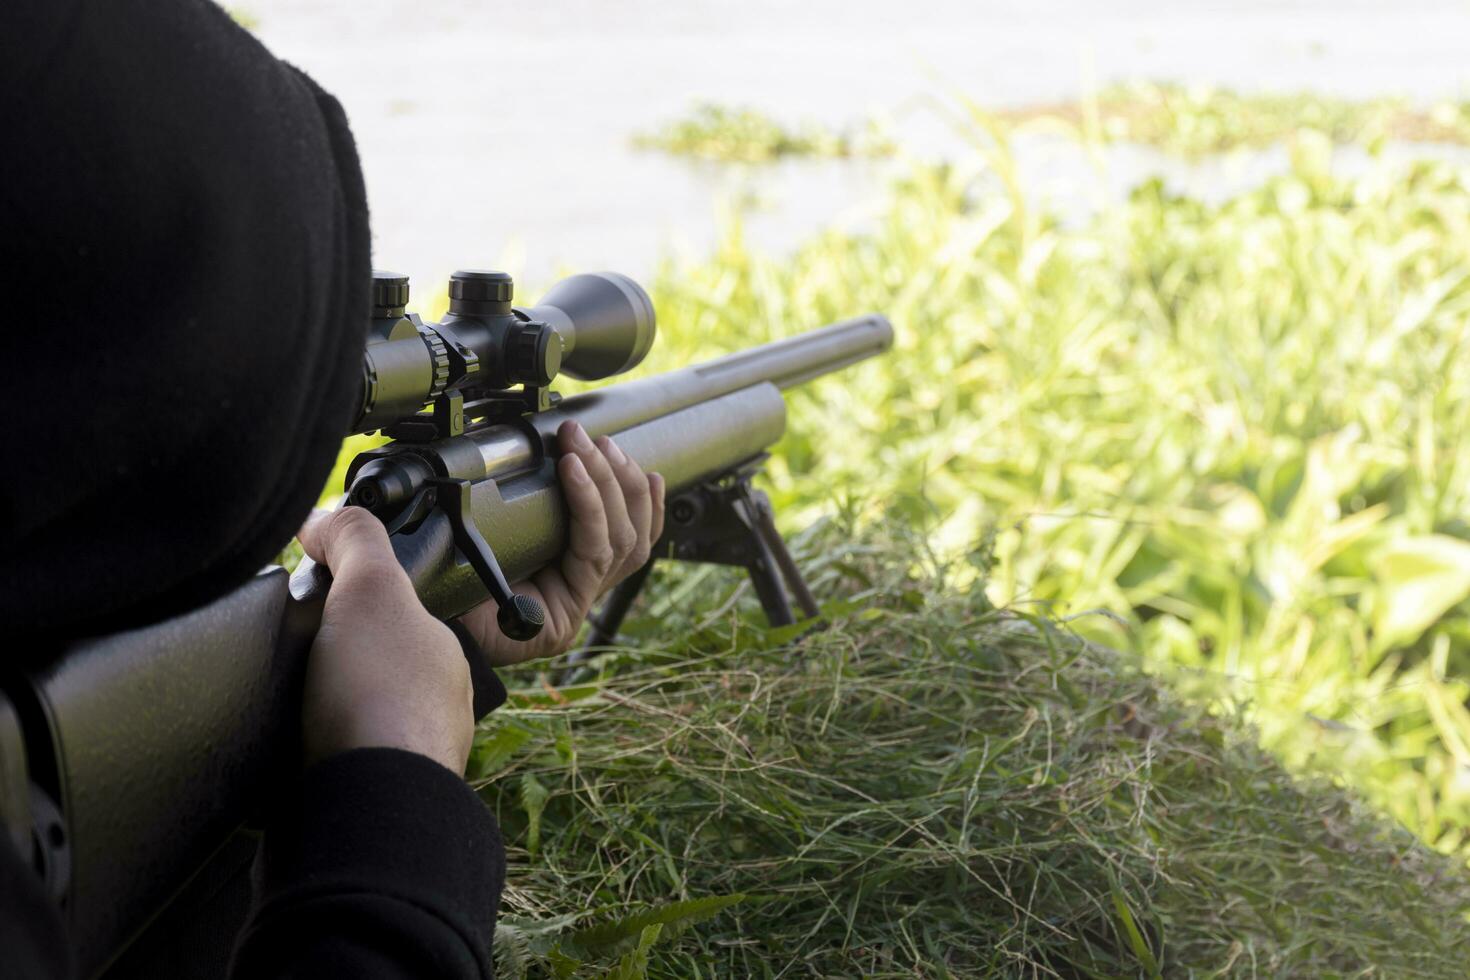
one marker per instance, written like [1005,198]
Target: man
[185,218]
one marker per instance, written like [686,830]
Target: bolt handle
[520,617]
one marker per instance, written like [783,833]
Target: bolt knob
[390,293]
[479,292]
[521,618]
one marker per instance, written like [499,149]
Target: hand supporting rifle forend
[694,425]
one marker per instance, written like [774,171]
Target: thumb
[346,540]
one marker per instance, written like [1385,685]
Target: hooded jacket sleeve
[386,865]
[382,864]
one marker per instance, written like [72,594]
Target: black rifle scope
[589,326]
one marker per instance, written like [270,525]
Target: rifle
[131,766]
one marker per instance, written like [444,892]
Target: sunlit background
[1182,296]
[501,132]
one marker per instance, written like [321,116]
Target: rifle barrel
[783,363]
[688,425]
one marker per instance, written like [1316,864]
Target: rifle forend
[688,425]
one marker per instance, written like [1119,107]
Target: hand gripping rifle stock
[144,753]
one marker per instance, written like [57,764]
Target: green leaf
[1419,579]
[533,799]
[492,751]
[566,746]
[778,635]
[541,934]
[562,965]
[512,952]
[634,964]
[854,570]
[616,937]
[1130,928]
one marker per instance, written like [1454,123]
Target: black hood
[184,228]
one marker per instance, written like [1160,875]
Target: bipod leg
[767,581]
[722,521]
[763,523]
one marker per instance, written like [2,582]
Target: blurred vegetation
[1239,430]
[243,17]
[1197,120]
[1187,120]
[930,787]
[744,135]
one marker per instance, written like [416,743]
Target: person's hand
[617,513]
[382,671]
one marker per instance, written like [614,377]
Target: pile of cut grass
[931,787]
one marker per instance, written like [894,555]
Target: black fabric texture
[185,230]
[184,223]
[490,690]
[421,906]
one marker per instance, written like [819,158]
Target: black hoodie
[184,228]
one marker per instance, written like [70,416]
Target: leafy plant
[628,939]
[744,135]
[1198,120]
[1238,429]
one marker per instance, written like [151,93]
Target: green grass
[932,787]
[745,135]
[1197,120]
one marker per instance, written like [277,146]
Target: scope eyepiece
[590,326]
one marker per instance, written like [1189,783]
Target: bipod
[722,521]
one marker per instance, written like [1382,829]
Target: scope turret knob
[532,354]
[480,292]
[390,293]
[438,360]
